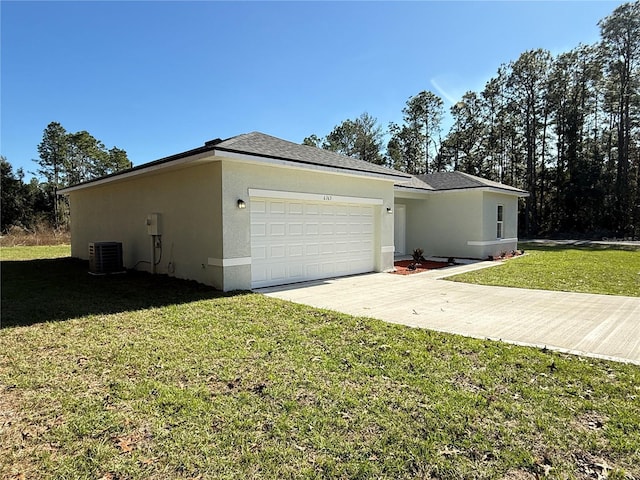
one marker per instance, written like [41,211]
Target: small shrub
[41,234]
[417,255]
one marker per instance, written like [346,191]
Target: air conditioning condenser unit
[105,257]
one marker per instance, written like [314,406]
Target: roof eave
[189,156]
[485,188]
[504,191]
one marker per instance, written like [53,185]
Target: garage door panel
[326,229]
[296,209]
[327,248]
[258,252]
[258,229]
[312,249]
[277,229]
[296,271]
[355,228]
[327,210]
[342,266]
[364,246]
[342,210]
[342,247]
[258,206]
[296,228]
[328,269]
[295,240]
[361,210]
[277,272]
[276,207]
[259,274]
[277,251]
[311,209]
[296,250]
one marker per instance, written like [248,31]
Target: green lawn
[133,376]
[587,269]
[32,253]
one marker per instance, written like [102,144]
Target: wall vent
[105,257]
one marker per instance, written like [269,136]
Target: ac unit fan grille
[105,257]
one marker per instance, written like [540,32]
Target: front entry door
[399,231]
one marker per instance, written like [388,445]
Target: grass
[35,252]
[609,270]
[136,376]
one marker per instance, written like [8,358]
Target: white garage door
[297,240]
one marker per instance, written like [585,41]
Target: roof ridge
[474,178]
[233,139]
[486,181]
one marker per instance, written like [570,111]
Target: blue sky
[157,78]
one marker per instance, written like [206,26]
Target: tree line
[64,159]
[566,128]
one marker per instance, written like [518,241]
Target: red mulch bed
[401,266]
[506,256]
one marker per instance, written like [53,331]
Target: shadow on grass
[35,291]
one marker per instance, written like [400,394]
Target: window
[499,230]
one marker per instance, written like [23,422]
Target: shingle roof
[462,181]
[414,183]
[262,145]
[265,146]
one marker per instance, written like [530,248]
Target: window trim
[500,221]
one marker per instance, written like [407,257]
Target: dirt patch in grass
[407,267]
[519,475]
[591,421]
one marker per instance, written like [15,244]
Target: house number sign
[327,197]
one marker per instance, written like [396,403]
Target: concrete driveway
[602,326]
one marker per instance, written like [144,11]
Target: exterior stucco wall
[205,236]
[452,218]
[188,202]
[490,202]
[239,177]
[460,224]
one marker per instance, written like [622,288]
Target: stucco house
[254,210]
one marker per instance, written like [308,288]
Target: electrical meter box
[153,224]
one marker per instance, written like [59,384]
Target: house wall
[460,224]
[205,236]
[239,177]
[447,220]
[189,205]
[493,246]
